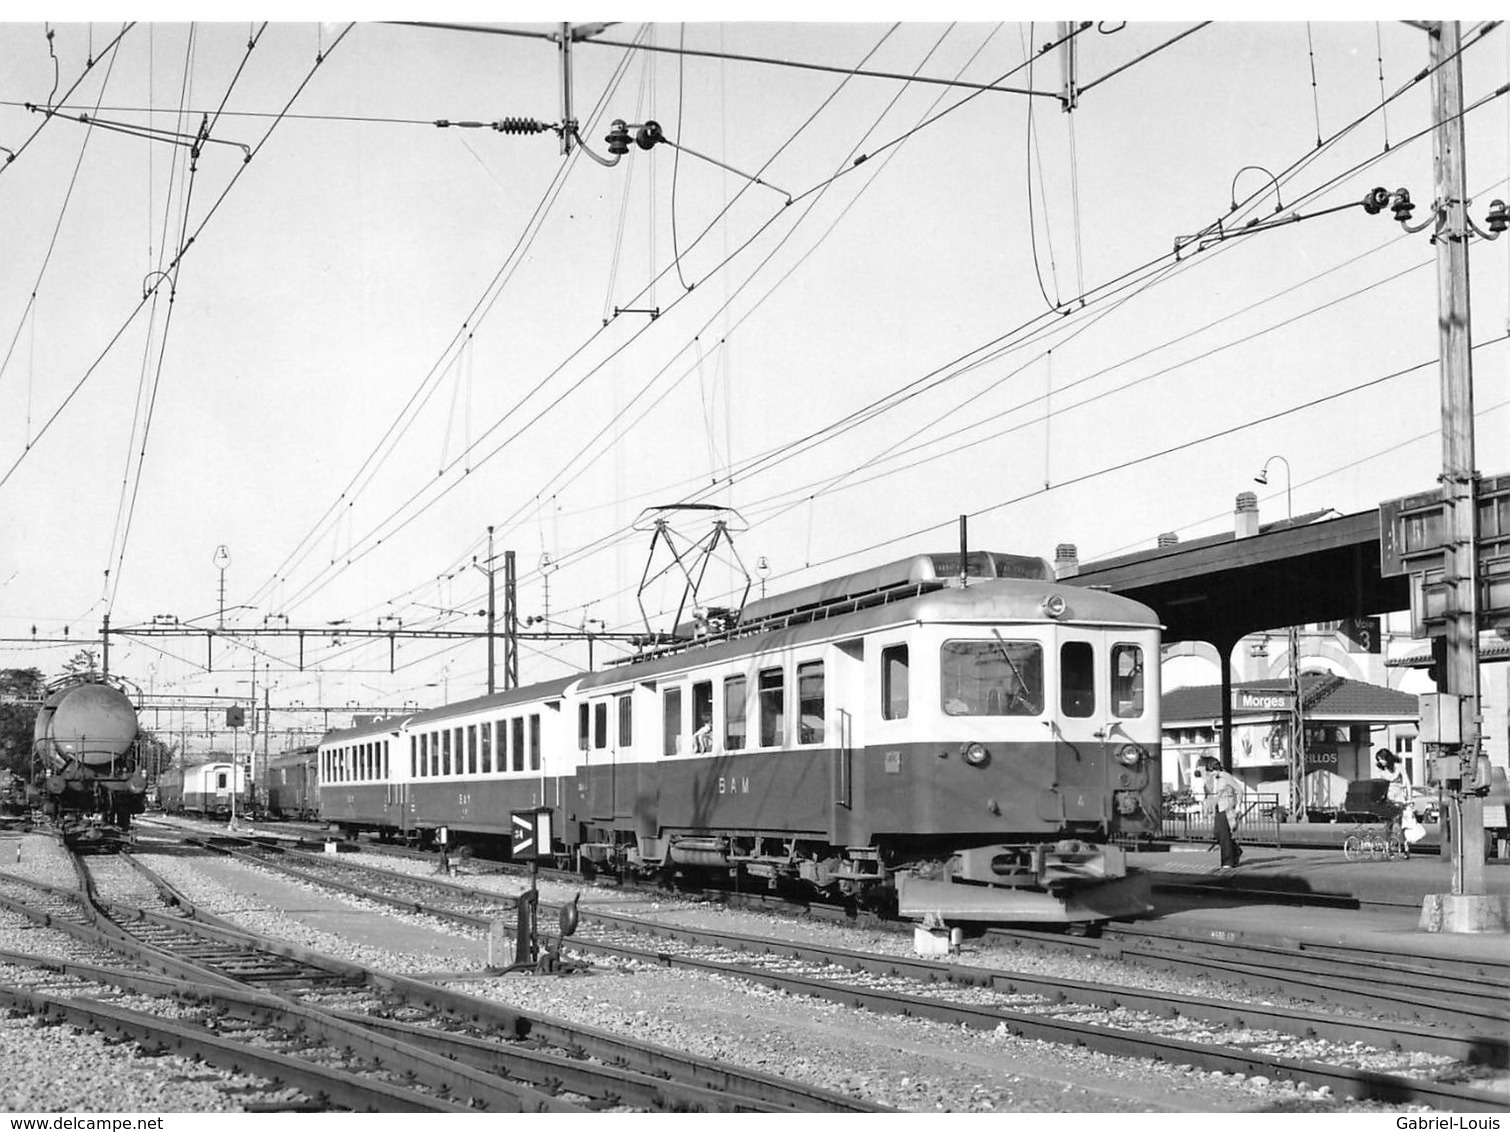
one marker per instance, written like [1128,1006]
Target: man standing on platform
[1223,794]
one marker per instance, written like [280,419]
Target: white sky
[367,268]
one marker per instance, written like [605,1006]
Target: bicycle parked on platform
[1375,843]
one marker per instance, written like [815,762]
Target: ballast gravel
[906,1063]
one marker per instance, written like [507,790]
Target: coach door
[1078,725]
[844,709]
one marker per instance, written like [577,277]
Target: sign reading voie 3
[1249,699]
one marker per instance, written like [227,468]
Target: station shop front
[1346,722]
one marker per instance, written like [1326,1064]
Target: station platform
[1294,896]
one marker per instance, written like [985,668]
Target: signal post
[1442,535]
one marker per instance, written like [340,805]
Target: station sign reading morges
[1268,699]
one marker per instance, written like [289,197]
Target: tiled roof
[1491,647]
[1329,696]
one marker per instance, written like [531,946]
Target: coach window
[471,748]
[626,722]
[671,721]
[894,682]
[1077,678]
[445,751]
[220,780]
[487,747]
[535,742]
[702,716]
[997,677]
[518,725]
[582,732]
[434,753]
[384,770]
[810,702]
[734,713]
[1127,681]
[772,707]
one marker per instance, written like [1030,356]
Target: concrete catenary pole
[1458,472]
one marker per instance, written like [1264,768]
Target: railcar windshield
[997,677]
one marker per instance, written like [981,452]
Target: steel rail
[1477,1000]
[1469,1001]
[1344,1081]
[333,1087]
[1475,975]
[483,1091]
[1491,1050]
[692,1082]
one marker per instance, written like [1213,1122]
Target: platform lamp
[221,560]
[1297,714]
[1263,477]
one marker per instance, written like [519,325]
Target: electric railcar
[975,749]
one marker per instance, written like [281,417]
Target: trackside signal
[532,834]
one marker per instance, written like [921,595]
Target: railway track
[1258,1040]
[1468,995]
[466,1053]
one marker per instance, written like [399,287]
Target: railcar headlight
[1053,605]
[975,754]
[1130,755]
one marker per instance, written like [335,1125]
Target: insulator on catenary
[506,125]
[520,126]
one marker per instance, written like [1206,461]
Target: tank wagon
[86,759]
[289,785]
[977,748]
[203,790]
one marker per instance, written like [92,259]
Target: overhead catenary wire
[372,539]
[1123,465]
[735,57]
[699,237]
[1351,465]
[1031,151]
[1315,93]
[140,404]
[708,323]
[187,246]
[57,229]
[477,313]
[15,154]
